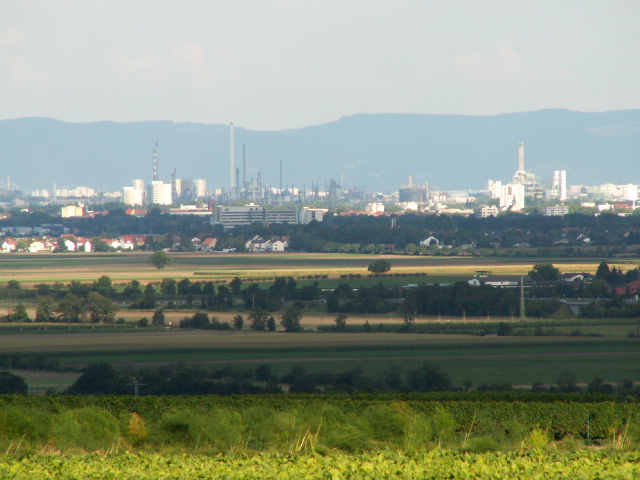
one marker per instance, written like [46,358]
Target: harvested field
[31,269]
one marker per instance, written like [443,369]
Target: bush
[89,428]
[28,423]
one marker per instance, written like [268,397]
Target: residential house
[632,288]
[9,245]
[430,241]
[208,244]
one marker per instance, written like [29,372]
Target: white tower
[521,157]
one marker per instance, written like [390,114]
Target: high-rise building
[559,185]
[200,187]
[135,195]
[512,196]
[161,193]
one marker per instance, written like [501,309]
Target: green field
[515,360]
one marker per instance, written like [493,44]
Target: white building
[559,185]
[161,193]
[200,187]
[494,188]
[133,196]
[374,208]
[556,211]
[486,211]
[512,196]
[72,211]
[307,215]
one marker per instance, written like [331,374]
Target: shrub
[88,428]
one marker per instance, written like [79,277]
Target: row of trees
[103,378]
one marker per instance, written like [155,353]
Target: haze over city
[271,65]
[367,93]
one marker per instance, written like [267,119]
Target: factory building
[231,217]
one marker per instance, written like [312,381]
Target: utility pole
[135,382]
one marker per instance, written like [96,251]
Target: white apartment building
[200,187]
[556,211]
[134,197]
[307,215]
[486,211]
[161,193]
[512,196]
[72,211]
[559,185]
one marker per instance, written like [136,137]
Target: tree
[379,267]
[258,318]
[271,324]
[184,286]
[428,378]
[69,309]
[603,271]
[100,308]
[19,314]
[104,286]
[62,246]
[567,382]
[341,322]
[98,245]
[99,379]
[158,318]
[10,383]
[44,312]
[168,286]
[159,259]
[544,272]
[263,373]
[235,285]
[238,322]
[149,298]
[290,319]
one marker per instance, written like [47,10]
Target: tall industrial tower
[232,160]
[521,157]
[155,163]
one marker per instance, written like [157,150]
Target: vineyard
[383,465]
[415,423]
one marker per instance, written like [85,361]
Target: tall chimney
[521,157]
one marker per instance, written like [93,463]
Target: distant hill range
[378,151]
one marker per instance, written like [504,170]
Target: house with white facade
[9,245]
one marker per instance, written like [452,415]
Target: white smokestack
[521,157]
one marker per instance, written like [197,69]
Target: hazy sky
[273,64]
